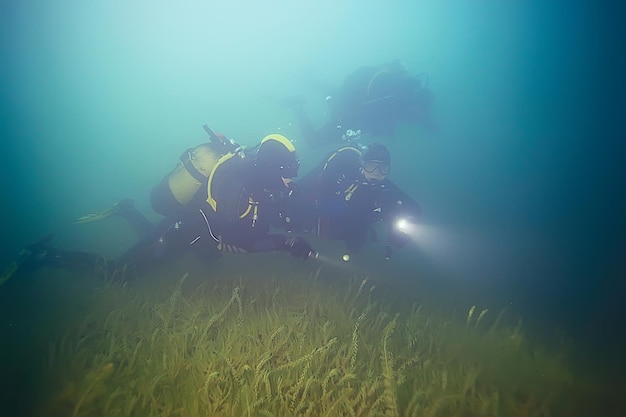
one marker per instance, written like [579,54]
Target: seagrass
[291,346]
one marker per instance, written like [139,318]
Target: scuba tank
[194,168]
[181,185]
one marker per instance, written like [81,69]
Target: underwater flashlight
[402,224]
[345,257]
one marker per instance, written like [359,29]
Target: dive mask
[382,167]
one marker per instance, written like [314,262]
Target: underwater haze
[520,182]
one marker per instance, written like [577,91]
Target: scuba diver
[224,198]
[245,199]
[347,194]
[372,101]
[230,211]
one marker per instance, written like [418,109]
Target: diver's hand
[299,248]
[399,232]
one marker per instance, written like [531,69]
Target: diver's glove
[400,227]
[299,248]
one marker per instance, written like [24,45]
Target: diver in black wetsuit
[231,213]
[372,101]
[347,194]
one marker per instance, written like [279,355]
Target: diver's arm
[399,203]
[249,235]
[250,244]
[295,245]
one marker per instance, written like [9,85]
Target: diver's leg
[331,133]
[304,123]
[169,239]
[79,261]
[127,210]
[308,131]
[150,245]
[43,255]
[306,126]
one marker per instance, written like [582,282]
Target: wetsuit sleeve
[247,243]
[398,203]
[269,242]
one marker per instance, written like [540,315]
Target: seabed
[288,343]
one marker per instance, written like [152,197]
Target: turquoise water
[519,183]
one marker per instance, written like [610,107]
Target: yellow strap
[210,198]
[345,148]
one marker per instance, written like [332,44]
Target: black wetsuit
[243,205]
[336,201]
[246,203]
[372,101]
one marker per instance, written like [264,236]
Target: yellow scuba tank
[194,168]
[180,186]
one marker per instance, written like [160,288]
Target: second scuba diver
[347,194]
